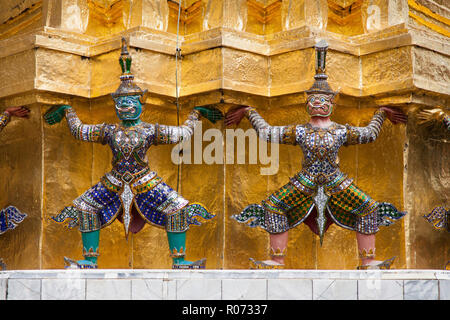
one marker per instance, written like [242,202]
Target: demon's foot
[184,264]
[377,265]
[266,264]
[80,264]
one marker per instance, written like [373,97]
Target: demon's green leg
[177,246]
[91,242]
[89,226]
[176,228]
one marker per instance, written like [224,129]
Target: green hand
[210,112]
[55,114]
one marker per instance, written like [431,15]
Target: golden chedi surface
[253,52]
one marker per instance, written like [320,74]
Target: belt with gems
[127,185]
[321,190]
[309,186]
[140,182]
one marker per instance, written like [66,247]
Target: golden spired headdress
[127,87]
[320,79]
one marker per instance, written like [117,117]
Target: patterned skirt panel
[161,206]
[349,208]
[439,218]
[10,217]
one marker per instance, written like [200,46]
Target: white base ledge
[167,284]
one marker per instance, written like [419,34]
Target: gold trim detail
[428,12]
[424,10]
[91,252]
[367,253]
[278,252]
[177,254]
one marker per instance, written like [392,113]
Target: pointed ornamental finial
[125,58]
[127,86]
[321,55]
[320,78]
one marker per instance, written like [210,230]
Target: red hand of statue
[21,112]
[395,115]
[235,115]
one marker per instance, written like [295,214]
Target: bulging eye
[313,99]
[322,99]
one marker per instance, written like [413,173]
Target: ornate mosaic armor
[439,218]
[4,119]
[320,194]
[10,217]
[131,183]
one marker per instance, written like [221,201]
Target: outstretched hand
[430,116]
[235,115]
[210,112]
[20,112]
[55,114]
[395,115]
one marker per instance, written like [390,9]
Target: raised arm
[174,134]
[83,132]
[277,134]
[369,133]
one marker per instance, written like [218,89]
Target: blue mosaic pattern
[148,203]
[10,217]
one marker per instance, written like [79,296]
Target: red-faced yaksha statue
[320,194]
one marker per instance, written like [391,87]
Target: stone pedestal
[160,284]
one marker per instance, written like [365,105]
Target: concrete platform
[158,284]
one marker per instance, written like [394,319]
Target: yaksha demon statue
[439,217]
[131,191]
[320,194]
[10,217]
